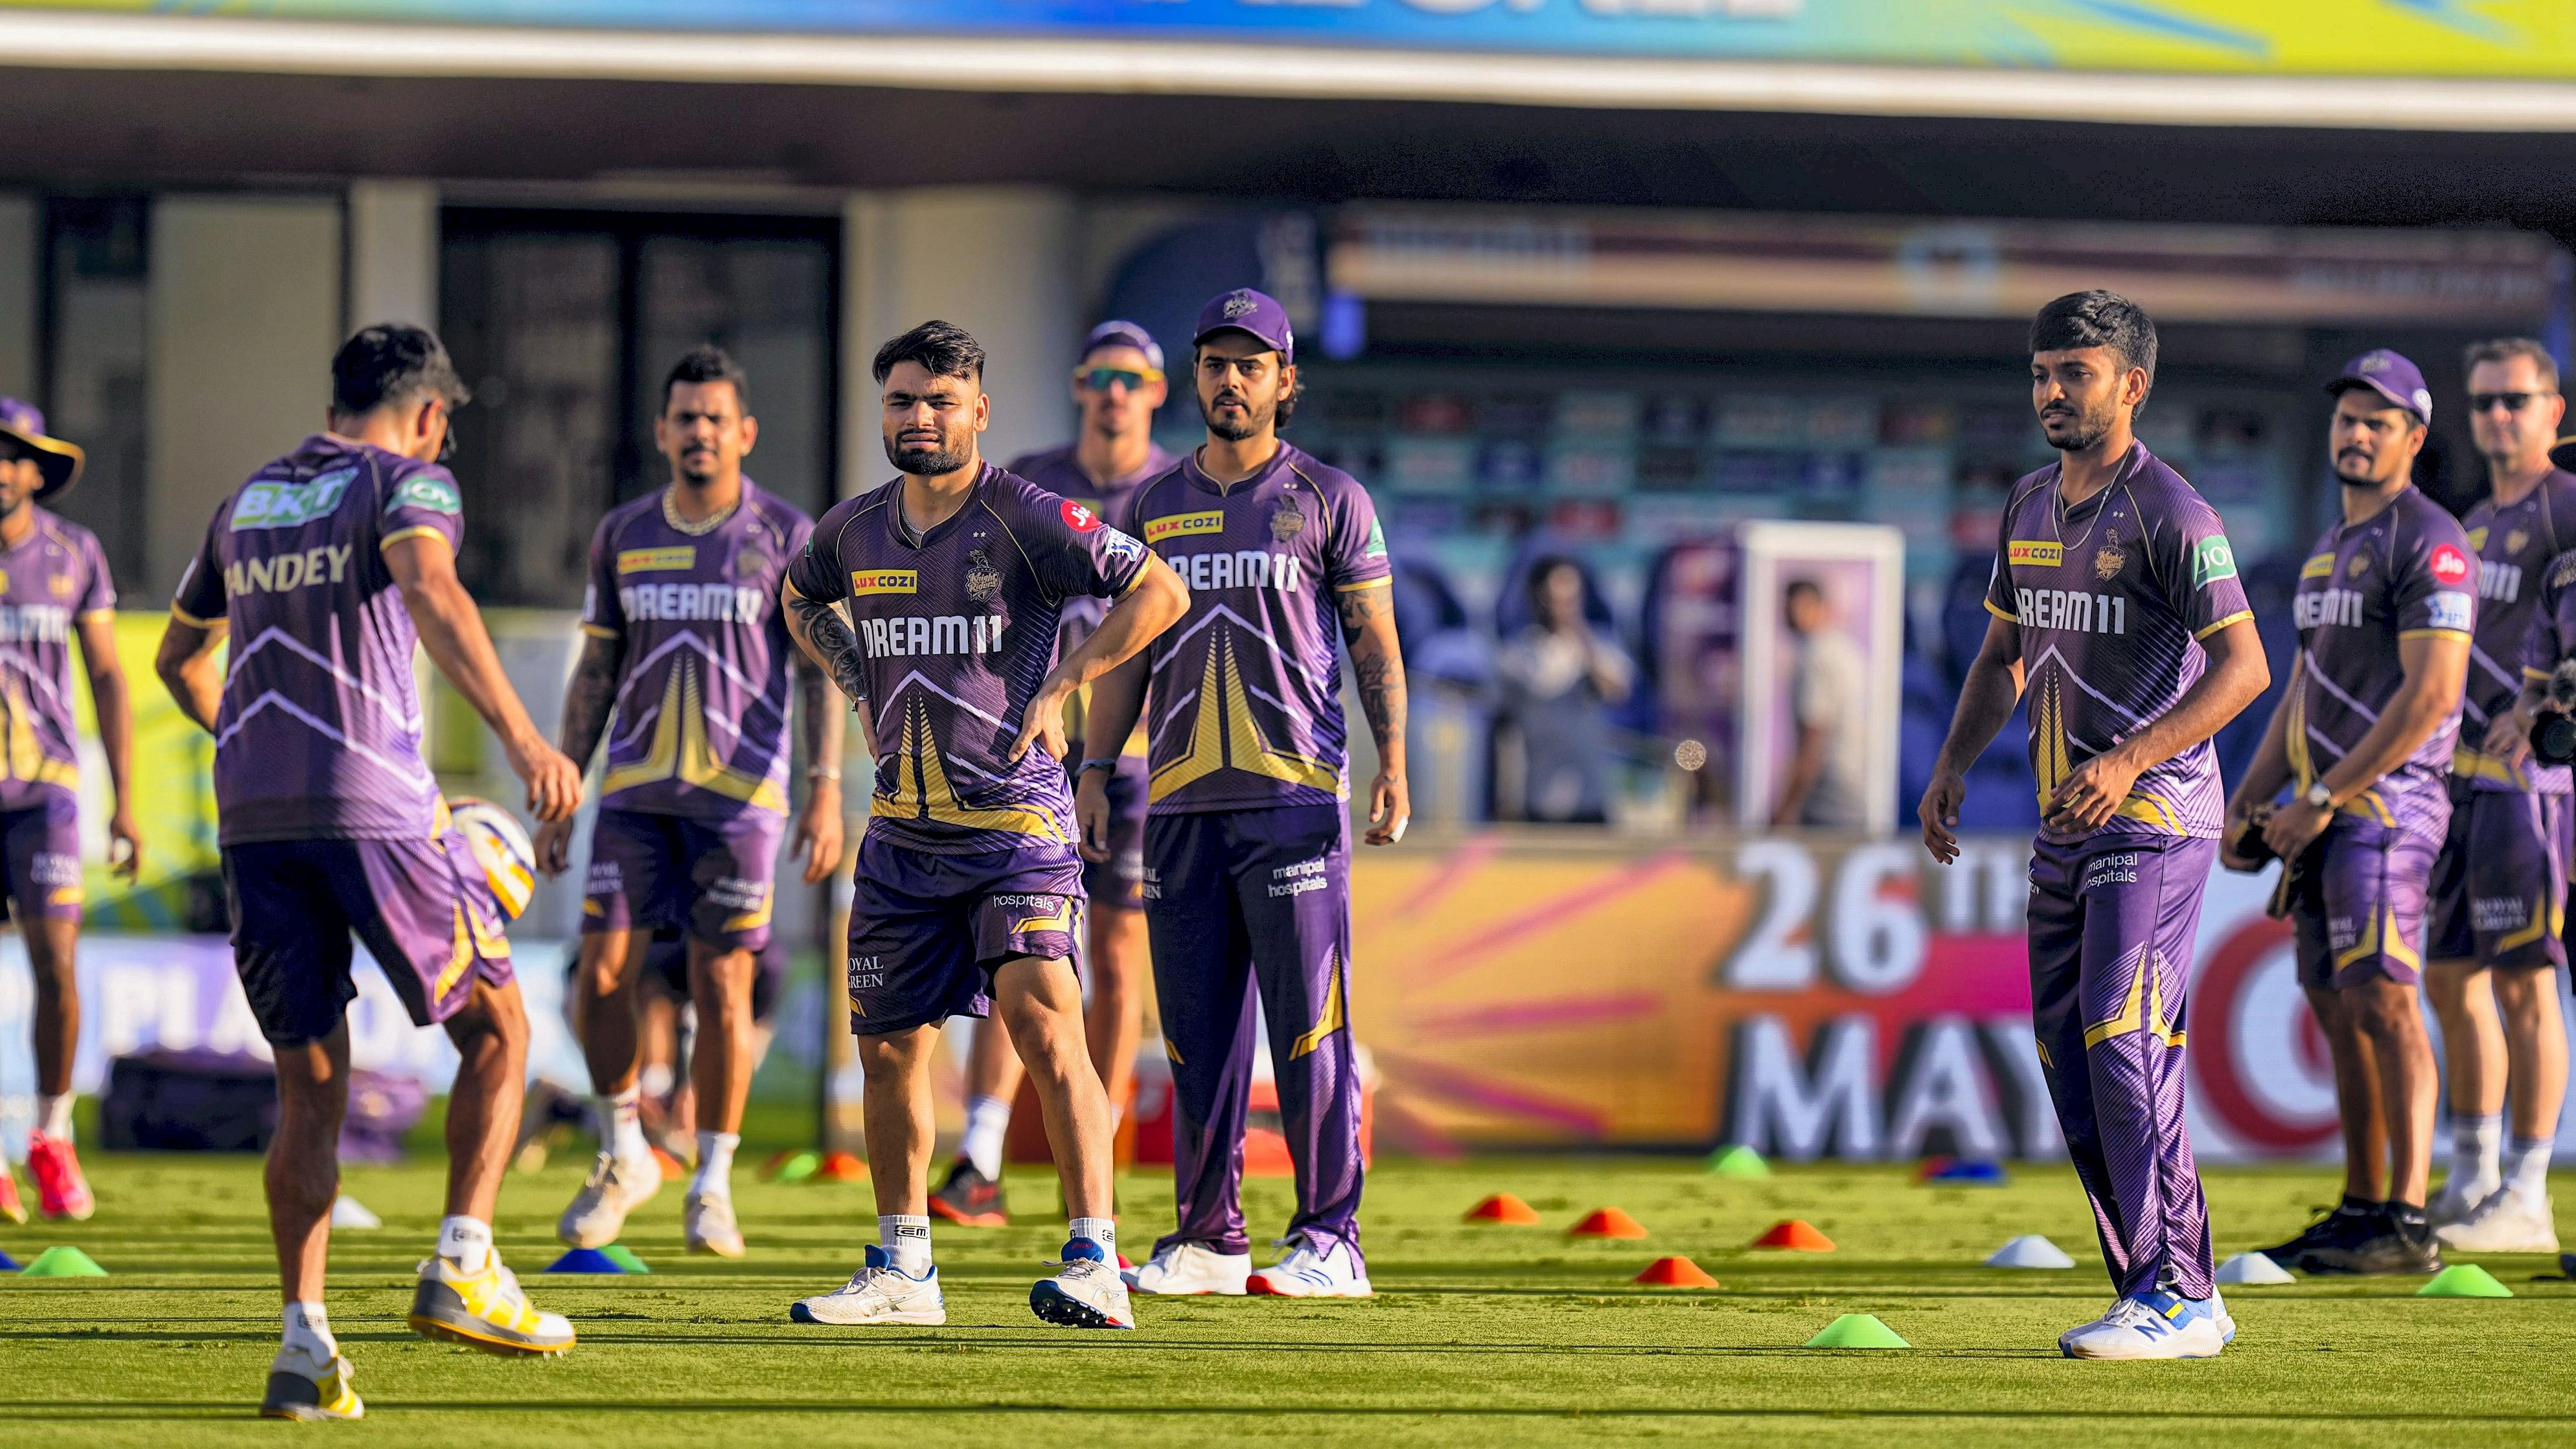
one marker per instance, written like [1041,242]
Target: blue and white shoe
[1086,1292]
[1305,1272]
[878,1293]
[2154,1325]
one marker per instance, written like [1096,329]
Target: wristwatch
[1090,765]
[2319,796]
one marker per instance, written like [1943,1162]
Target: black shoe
[2394,1249]
[2339,1227]
[970,1199]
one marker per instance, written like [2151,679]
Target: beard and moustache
[953,452]
[2088,426]
[1254,419]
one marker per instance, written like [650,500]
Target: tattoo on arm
[816,719]
[590,695]
[1375,664]
[828,634]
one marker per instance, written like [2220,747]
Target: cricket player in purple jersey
[325,570]
[1247,833]
[54,586]
[969,885]
[685,641]
[2363,740]
[1118,383]
[2119,616]
[2500,884]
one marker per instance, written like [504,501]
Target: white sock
[621,1124]
[466,1242]
[2476,1145]
[1117,1114]
[308,1331]
[987,1118]
[1103,1231]
[2526,1166]
[54,1115]
[906,1241]
[715,1163]
[655,1080]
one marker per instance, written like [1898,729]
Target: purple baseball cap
[1245,310]
[59,462]
[1118,332]
[2391,376]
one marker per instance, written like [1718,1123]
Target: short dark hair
[2505,349]
[389,364]
[2098,319]
[1545,565]
[705,364]
[1803,585]
[943,349]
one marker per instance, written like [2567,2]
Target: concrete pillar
[998,261]
[393,254]
[19,221]
[243,316]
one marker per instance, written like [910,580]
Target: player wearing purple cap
[1247,833]
[969,887]
[2119,617]
[325,569]
[2363,739]
[54,586]
[1118,383]
[2500,886]
[685,641]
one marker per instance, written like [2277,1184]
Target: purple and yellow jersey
[1245,707]
[1059,472]
[702,691]
[319,731]
[51,580]
[957,628]
[2112,597]
[2402,573]
[2514,547]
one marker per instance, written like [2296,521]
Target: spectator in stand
[1559,680]
[1828,689]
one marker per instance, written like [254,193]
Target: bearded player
[325,569]
[2118,614]
[2363,739]
[1117,383]
[2500,884]
[1247,833]
[969,887]
[54,586]
[687,646]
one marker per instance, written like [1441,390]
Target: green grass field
[1480,1336]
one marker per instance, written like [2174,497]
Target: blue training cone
[586,1260]
[9,1264]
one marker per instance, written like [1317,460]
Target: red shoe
[61,1191]
[11,1207]
[969,1199]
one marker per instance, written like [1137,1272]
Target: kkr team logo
[983,581]
[2357,565]
[1287,523]
[2514,541]
[2108,560]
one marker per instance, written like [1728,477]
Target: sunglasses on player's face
[1102,379]
[2513,402]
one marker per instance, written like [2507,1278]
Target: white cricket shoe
[2155,1325]
[708,1220]
[2507,1222]
[878,1294]
[1305,1273]
[613,1189]
[1183,1268]
[2460,1196]
[2066,1340]
[1085,1293]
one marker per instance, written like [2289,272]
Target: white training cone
[2251,1268]
[2030,1250]
[348,1212]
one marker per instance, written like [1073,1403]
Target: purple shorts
[41,847]
[2500,887]
[1119,881]
[716,880]
[2357,904]
[927,930]
[421,906]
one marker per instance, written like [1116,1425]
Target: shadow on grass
[61,1412]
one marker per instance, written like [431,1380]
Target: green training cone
[798,1168]
[624,1257]
[65,1263]
[2460,1280]
[1857,1330]
[1737,1161]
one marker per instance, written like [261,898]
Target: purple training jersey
[55,577]
[2514,547]
[2404,572]
[2552,636]
[2112,597]
[1057,471]
[702,691]
[1245,709]
[319,732]
[958,629]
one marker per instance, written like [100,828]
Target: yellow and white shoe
[301,1388]
[484,1310]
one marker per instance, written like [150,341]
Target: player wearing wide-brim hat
[23,437]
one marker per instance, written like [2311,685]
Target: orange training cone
[1675,1273]
[1797,1235]
[672,1168]
[841,1167]
[1608,1222]
[1505,1209]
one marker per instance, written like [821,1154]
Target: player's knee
[722,977]
[51,958]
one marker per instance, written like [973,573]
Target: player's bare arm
[588,697]
[1154,602]
[2437,670]
[2265,774]
[115,710]
[186,664]
[2236,676]
[1377,665]
[819,724]
[1117,698]
[827,639]
[1986,700]
[451,630]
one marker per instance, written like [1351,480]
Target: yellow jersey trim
[2239,615]
[415,531]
